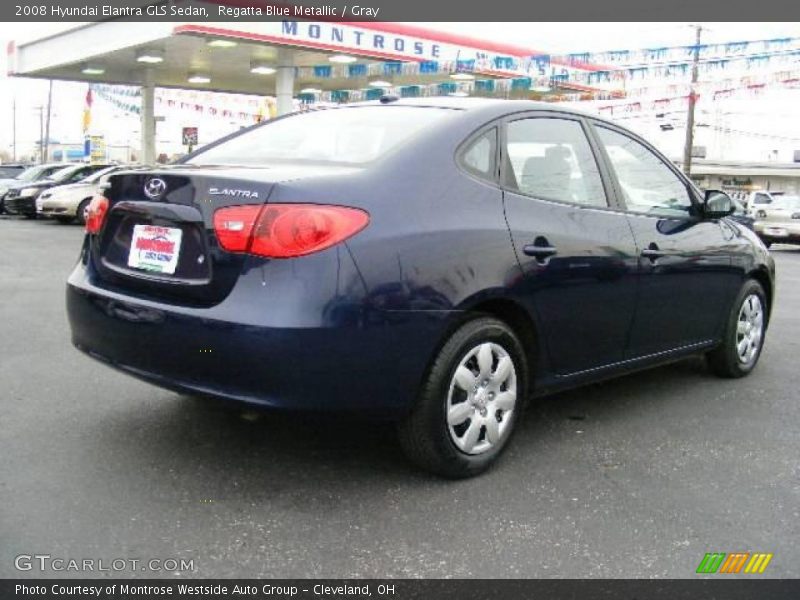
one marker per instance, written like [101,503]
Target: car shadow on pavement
[212,448]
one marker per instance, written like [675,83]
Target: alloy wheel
[749,329]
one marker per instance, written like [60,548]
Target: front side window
[648,185]
[348,136]
[550,158]
[61,174]
[96,175]
[79,174]
[762,199]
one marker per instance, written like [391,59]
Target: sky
[773,113]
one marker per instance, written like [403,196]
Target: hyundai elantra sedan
[438,262]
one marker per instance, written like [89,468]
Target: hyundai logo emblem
[154,188]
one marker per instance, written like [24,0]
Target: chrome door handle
[539,252]
[653,252]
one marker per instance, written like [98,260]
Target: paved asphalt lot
[636,477]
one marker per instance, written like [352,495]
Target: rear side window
[348,136]
[480,155]
[762,199]
[551,158]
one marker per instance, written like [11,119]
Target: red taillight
[286,230]
[234,226]
[96,214]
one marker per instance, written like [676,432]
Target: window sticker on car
[155,248]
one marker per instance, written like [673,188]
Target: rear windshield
[10,171]
[349,136]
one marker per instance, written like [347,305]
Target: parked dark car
[21,198]
[437,261]
[30,174]
[11,170]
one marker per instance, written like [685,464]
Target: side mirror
[717,204]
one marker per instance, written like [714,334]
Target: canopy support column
[148,119]
[284,82]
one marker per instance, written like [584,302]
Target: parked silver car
[69,202]
[779,221]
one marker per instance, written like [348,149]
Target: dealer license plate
[155,248]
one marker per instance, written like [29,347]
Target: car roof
[489,108]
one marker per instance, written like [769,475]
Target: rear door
[686,276]
[577,253]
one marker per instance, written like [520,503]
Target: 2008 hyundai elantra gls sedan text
[438,262]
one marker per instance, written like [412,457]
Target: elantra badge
[154,188]
[232,192]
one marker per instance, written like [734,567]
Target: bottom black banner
[399,589]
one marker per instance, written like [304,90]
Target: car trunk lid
[158,239]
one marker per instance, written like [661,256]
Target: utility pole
[47,124]
[41,133]
[14,127]
[687,147]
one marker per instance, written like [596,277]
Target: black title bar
[401,10]
[729,588]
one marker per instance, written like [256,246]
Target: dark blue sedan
[439,262]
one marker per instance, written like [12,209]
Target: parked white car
[780,221]
[756,202]
[68,203]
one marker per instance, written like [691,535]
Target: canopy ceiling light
[462,76]
[310,91]
[221,43]
[198,78]
[380,83]
[150,56]
[342,58]
[261,68]
[93,69]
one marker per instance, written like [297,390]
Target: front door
[686,277]
[577,255]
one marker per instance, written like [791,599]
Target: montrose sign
[384,41]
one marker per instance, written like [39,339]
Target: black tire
[425,434]
[79,213]
[724,360]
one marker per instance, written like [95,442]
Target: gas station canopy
[118,52]
[280,58]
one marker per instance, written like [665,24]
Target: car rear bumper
[370,364]
[789,231]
